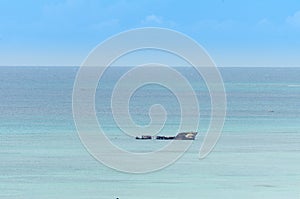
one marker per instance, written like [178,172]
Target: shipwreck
[179,136]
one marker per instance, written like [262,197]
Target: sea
[256,157]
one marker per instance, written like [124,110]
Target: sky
[234,32]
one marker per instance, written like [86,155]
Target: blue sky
[235,33]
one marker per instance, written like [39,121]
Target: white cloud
[294,20]
[150,19]
[266,25]
[264,21]
[154,20]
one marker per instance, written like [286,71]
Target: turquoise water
[257,156]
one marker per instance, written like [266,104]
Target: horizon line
[134,66]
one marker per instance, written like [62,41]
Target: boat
[186,136]
[144,137]
[179,136]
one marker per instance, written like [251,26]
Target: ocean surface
[257,156]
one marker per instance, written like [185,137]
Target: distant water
[258,155]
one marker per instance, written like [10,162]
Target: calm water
[258,155]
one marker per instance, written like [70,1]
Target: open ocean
[257,156]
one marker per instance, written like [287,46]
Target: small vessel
[144,137]
[165,137]
[179,136]
[186,136]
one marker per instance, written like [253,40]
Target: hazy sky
[235,33]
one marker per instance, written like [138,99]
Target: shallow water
[257,155]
